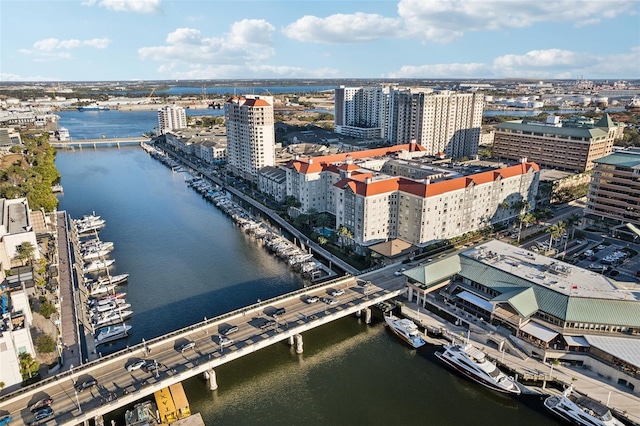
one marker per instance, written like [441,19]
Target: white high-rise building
[360,111]
[170,118]
[250,135]
[446,122]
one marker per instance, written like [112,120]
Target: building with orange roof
[390,193]
[250,135]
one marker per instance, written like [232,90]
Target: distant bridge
[96,143]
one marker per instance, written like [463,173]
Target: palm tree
[24,252]
[555,231]
[523,206]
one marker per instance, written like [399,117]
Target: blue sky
[122,40]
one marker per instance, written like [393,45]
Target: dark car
[278,312]
[150,366]
[43,414]
[267,324]
[186,346]
[229,330]
[89,383]
[39,405]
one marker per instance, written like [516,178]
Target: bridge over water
[97,143]
[118,387]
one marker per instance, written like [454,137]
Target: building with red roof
[389,193]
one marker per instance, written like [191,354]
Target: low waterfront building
[273,182]
[209,145]
[549,306]
[614,190]
[15,229]
[573,144]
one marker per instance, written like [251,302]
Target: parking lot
[617,260]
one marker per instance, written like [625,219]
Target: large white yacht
[472,362]
[406,330]
[111,333]
[580,410]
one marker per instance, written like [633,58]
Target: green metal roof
[579,132]
[435,272]
[575,309]
[620,159]
[522,299]
[605,122]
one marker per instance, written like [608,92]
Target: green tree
[24,252]
[45,344]
[28,366]
[555,231]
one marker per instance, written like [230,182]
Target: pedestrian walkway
[584,381]
[68,324]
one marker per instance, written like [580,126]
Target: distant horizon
[160,40]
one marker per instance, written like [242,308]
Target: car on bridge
[186,346]
[329,300]
[43,414]
[278,311]
[267,324]
[39,405]
[335,292]
[136,365]
[311,299]
[89,383]
[151,366]
[225,341]
[229,330]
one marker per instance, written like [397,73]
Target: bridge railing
[141,346]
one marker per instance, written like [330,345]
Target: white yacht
[99,290]
[471,362]
[97,265]
[96,244]
[581,411]
[406,330]
[111,317]
[111,333]
[113,279]
[94,254]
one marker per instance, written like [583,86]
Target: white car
[335,292]
[225,341]
[186,346]
[399,272]
[136,365]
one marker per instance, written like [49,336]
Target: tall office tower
[250,135]
[360,111]
[447,122]
[171,117]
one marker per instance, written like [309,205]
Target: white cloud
[341,28]
[446,20]
[136,6]
[248,41]
[16,77]
[53,44]
[550,63]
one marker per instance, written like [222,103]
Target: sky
[129,40]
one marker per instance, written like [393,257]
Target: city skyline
[159,40]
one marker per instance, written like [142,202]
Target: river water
[188,261]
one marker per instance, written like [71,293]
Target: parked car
[136,365]
[43,414]
[89,383]
[335,292]
[5,419]
[186,346]
[39,405]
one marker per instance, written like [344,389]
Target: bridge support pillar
[210,376]
[299,344]
[290,340]
[367,318]
[359,313]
